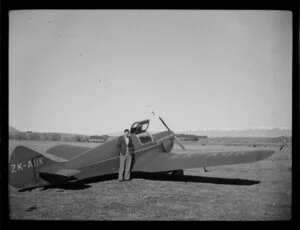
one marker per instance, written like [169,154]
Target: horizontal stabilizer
[54,178]
[60,176]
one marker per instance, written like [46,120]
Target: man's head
[126,132]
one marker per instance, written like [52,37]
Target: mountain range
[263,132]
[12,130]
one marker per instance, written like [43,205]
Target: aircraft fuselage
[104,159]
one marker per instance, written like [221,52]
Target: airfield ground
[256,191]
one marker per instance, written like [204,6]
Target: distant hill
[13,130]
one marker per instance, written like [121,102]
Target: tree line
[190,137]
[48,137]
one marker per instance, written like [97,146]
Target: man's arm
[118,146]
[131,145]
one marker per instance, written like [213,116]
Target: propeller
[175,138]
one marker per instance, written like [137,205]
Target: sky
[99,71]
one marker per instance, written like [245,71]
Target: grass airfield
[256,191]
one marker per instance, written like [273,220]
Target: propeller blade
[175,138]
[164,123]
[179,143]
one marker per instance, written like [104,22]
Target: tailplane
[24,165]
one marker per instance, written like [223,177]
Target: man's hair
[126,130]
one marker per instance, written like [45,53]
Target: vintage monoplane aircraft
[153,153]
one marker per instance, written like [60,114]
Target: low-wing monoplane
[153,153]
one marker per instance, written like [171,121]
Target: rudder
[24,165]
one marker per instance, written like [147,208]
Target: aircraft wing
[66,152]
[183,159]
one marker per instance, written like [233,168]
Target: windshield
[139,126]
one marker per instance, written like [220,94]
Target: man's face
[126,134]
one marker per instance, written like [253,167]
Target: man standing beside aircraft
[126,149]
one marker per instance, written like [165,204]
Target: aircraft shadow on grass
[84,184]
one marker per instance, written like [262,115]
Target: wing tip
[268,153]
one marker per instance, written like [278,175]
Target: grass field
[257,191]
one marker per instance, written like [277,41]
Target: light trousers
[125,164]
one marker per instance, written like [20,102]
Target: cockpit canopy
[140,126]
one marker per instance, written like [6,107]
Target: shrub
[21,136]
[34,136]
[56,137]
[78,138]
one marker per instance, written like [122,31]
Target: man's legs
[121,169]
[127,166]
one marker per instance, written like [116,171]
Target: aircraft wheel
[177,173]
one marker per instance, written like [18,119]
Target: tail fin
[24,165]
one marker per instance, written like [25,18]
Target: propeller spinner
[175,138]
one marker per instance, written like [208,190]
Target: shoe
[128,180]
[121,180]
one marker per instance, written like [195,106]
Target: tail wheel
[177,173]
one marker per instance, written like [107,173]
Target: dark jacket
[121,145]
